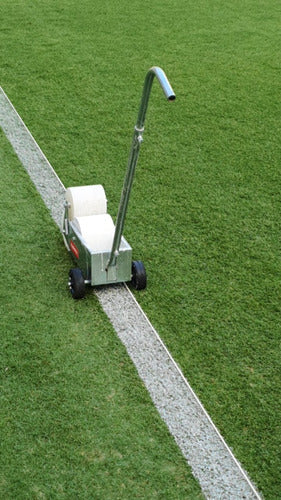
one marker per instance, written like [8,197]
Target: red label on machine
[74,249]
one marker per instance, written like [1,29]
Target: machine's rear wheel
[138,275]
[76,283]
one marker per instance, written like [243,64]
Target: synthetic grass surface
[205,208]
[76,422]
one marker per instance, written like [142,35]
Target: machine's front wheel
[76,283]
[138,275]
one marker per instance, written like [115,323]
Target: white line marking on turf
[219,473]
[33,159]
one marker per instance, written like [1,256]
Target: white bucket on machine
[87,211]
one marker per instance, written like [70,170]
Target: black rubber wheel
[76,283]
[138,275]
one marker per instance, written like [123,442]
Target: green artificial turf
[75,420]
[204,214]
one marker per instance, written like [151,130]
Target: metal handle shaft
[134,153]
[166,87]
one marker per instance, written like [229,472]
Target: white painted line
[219,473]
[32,158]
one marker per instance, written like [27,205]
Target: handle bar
[133,157]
